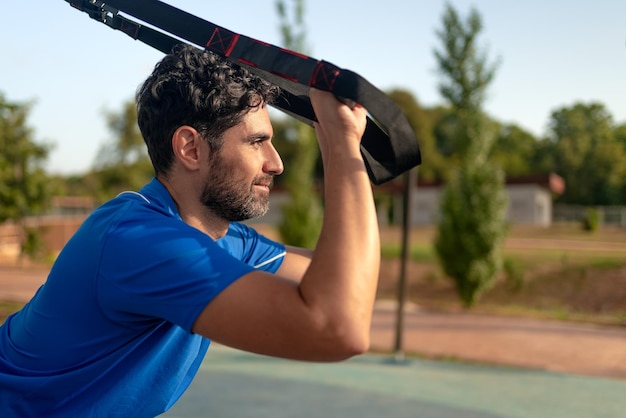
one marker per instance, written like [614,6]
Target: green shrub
[33,245]
[513,274]
[592,219]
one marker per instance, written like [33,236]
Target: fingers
[333,115]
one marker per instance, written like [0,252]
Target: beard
[231,197]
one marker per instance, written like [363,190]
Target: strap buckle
[98,10]
[102,12]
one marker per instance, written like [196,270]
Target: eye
[257,143]
[257,140]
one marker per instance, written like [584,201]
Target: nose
[273,162]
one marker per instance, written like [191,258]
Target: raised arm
[327,316]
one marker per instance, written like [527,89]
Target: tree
[24,188]
[123,163]
[445,132]
[302,215]
[473,206]
[514,149]
[471,230]
[620,136]
[586,150]
[23,183]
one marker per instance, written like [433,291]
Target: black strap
[389,146]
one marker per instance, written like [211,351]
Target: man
[126,315]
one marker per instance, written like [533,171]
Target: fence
[609,215]
[55,231]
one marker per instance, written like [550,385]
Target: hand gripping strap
[389,146]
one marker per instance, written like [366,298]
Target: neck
[192,211]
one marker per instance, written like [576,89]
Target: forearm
[340,284]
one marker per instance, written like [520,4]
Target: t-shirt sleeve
[171,271]
[254,249]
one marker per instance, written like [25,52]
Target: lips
[267,183]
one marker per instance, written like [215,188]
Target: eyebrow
[256,136]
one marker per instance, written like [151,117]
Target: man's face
[241,173]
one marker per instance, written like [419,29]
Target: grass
[561,272]
[420,252]
[613,256]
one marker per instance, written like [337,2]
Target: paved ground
[545,369]
[235,384]
[546,345]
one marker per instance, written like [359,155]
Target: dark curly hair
[193,87]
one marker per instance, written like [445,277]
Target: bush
[33,245]
[591,221]
[514,274]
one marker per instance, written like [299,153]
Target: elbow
[345,344]
[357,346]
[339,334]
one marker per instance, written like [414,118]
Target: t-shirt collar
[159,196]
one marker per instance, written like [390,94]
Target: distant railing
[609,215]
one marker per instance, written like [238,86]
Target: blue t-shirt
[109,333]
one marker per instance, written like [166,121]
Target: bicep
[267,314]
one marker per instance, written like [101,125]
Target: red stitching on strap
[222,41]
[297,54]
[130,29]
[259,42]
[285,76]
[324,76]
[245,61]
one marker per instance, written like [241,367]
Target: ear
[188,147]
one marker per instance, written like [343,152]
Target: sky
[551,54]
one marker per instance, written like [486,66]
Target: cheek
[252,164]
[241,166]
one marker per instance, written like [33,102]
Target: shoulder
[255,249]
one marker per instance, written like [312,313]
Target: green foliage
[33,244]
[298,226]
[127,146]
[24,187]
[444,130]
[302,215]
[514,149]
[419,253]
[473,205]
[123,163]
[588,152]
[514,273]
[591,221]
[467,73]
[472,229]
[293,32]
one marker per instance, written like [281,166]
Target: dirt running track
[547,345]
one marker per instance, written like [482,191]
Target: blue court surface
[234,384]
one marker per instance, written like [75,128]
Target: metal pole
[410,183]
